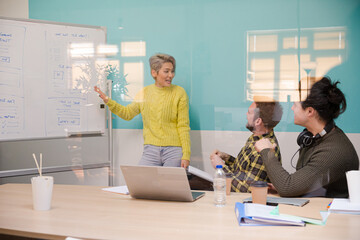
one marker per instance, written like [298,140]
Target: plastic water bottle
[219,187]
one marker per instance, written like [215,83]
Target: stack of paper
[118,189]
[251,214]
[343,205]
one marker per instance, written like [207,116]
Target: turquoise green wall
[208,40]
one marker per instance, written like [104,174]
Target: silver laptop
[159,183]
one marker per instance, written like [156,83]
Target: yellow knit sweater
[165,114]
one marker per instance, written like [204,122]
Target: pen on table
[328,206]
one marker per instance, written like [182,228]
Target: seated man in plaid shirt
[262,117]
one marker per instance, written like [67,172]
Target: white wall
[128,147]
[14,8]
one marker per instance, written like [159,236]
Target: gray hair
[156,61]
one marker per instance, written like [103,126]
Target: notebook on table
[199,180]
[280,200]
[159,183]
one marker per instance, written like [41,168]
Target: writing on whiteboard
[5,37]
[45,91]
[71,35]
[10,115]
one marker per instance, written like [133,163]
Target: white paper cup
[42,188]
[353,181]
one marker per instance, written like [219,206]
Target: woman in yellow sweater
[165,112]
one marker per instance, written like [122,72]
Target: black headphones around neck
[306,138]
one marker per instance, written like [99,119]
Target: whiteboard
[47,74]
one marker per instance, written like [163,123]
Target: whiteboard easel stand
[112,164]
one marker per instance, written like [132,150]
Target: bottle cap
[258,184]
[218,166]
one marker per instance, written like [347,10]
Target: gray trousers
[168,156]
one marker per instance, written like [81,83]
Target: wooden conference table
[87,212]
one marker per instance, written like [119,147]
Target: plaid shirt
[248,166]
